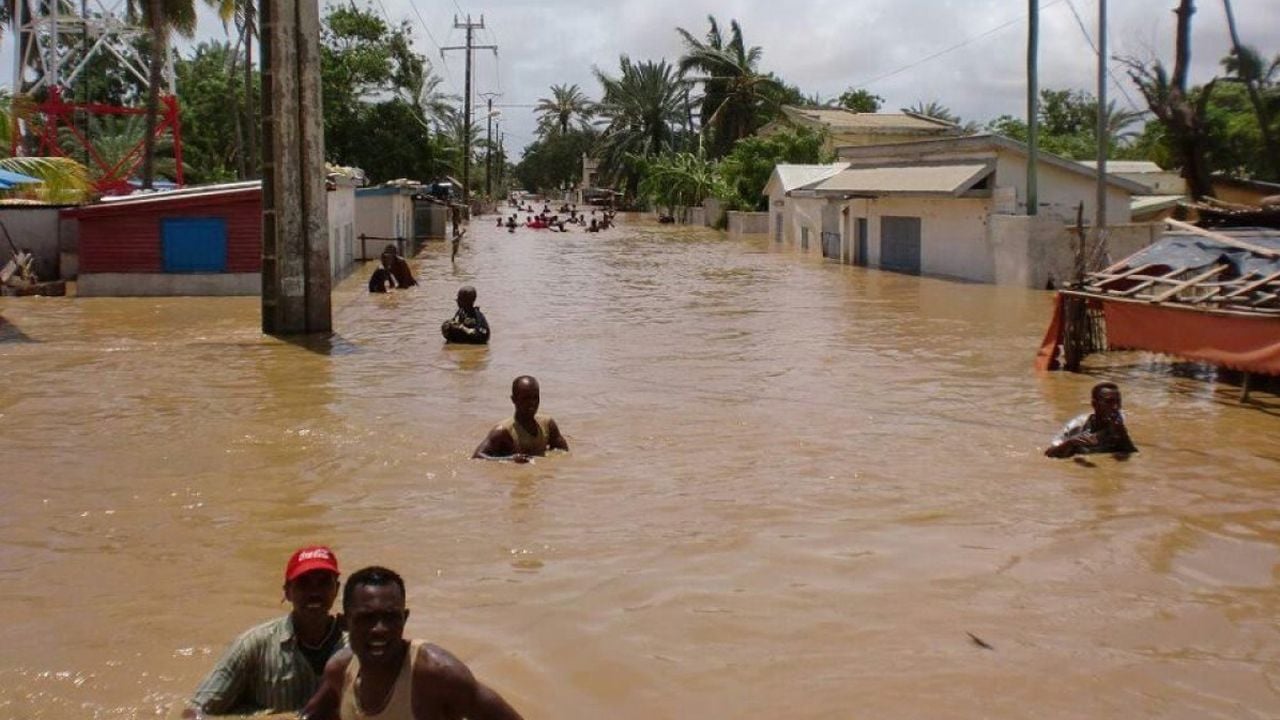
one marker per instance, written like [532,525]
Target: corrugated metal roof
[837,119]
[794,176]
[1125,166]
[913,180]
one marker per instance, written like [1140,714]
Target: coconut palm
[933,109]
[62,180]
[557,113]
[642,109]
[244,15]
[423,91]
[161,17]
[736,97]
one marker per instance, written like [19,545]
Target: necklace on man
[333,623]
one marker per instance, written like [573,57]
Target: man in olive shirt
[277,665]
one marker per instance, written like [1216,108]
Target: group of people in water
[355,665]
[544,220]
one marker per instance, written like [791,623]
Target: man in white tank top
[385,676]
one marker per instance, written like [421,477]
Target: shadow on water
[328,344]
[10,333]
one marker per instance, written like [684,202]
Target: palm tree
[162,17]
[642,108]
[244,14]
[933,109]
[1246,66]
[63,180]
[422,90]
[736,97]
[557,112]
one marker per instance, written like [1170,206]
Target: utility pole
[1104,137]
[295,233]
[502,156]
[488,144]
[470,47]
[1033,107]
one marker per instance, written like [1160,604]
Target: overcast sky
[969,55]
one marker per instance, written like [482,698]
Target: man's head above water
[525,395]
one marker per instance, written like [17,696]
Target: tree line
[673,134]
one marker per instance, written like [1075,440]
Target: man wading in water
[1103,431]
[277,665]
[526,435]
[386,676]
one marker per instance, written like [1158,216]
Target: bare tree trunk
[1255,97]
[238,143]
[159,46]
[1188,126]
[253,162]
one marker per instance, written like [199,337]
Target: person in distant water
[593,227]
[468,324]
[277,665]
[386,676]
[394,272]
[1102,431]
[525,435]
[455,215]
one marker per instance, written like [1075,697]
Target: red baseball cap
[313,557]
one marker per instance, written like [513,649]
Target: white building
[952,207]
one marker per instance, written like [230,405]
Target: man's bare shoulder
[439,664]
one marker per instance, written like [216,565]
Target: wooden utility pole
[295,232]
[1033,106]
[470,47]
[1104,138]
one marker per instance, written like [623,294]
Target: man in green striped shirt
[277,665]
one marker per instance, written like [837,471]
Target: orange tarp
[1249,344]
[1047,357]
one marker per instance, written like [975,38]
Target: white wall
[953,233]
[1060,191]
[342,221]
[805,213]
[167,284]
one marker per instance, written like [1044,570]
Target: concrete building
[797,220]
[952,207]
[848,128]
[385,215]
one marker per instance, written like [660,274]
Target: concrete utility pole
[470,47]
[488,144]
[295,232]
[1033,107]
[1104,137]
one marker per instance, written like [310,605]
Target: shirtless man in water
[525,435]
[386,676]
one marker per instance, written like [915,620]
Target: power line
[447,74]
[953,48]
[1110,73]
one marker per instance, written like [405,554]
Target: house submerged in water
[951,207]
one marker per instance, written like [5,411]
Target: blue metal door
[192,245]
[900,244]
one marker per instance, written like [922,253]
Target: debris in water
[979,641]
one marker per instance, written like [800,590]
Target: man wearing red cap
[277,665]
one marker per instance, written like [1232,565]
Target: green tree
[211,151]
[162,17]
[643,108]
[747,168]
[373,85]
[860,100]
[1067,121]
[736,97]
[1246,66]
[680,180]
[554,160]
[558,112]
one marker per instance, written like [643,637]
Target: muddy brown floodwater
[794,490]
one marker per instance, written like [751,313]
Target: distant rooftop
[841,120]
[1125,166]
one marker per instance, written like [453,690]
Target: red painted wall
[125,236]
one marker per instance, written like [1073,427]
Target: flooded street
[794,490]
